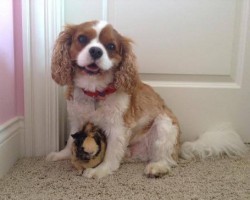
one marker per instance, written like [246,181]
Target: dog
[99,67]
[89,147]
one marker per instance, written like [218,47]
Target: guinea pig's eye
[83,39]
[111,46]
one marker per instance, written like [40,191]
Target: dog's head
[94,49]
[88,142]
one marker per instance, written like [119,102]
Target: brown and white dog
[99,66]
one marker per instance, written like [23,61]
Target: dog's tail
[221,141]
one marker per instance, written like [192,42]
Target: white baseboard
[10,143]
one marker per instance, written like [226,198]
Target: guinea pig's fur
[89,147]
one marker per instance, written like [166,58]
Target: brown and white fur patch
[91,56]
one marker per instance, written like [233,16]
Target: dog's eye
[83,39]
[111,46]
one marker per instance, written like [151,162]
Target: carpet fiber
[222,179]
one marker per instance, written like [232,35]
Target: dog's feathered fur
[135,119]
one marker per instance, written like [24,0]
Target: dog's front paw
[156,169]
[61,155]
[98,172]
[53,156]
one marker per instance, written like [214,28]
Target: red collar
[100,95]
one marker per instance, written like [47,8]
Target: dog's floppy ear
[126,76]
[61,65]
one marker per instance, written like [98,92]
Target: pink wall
[11,81]
[18,52]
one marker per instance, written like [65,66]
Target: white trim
[178,84]
[10,127]
[242,42]
[54,20]
[10,143]
[28,115]
[105,6]
[42,22]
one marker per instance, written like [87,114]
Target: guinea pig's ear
[77,135]
[97,139]
[102,136]
[61,65]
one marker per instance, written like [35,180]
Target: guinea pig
[88,148]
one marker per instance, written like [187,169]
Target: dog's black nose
[95,52]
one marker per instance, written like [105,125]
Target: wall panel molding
[11,145]
[237,73]
[238,21]
[42,22]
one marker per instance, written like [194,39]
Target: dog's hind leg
[163,153]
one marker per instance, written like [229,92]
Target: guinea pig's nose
[95,52]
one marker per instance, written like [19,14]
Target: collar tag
[95,103]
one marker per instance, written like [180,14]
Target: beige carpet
[34,178]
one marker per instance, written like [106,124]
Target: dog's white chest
[104,113]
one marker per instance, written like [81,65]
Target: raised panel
[195,37]
[78,11]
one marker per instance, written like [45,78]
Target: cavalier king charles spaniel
[99,67]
